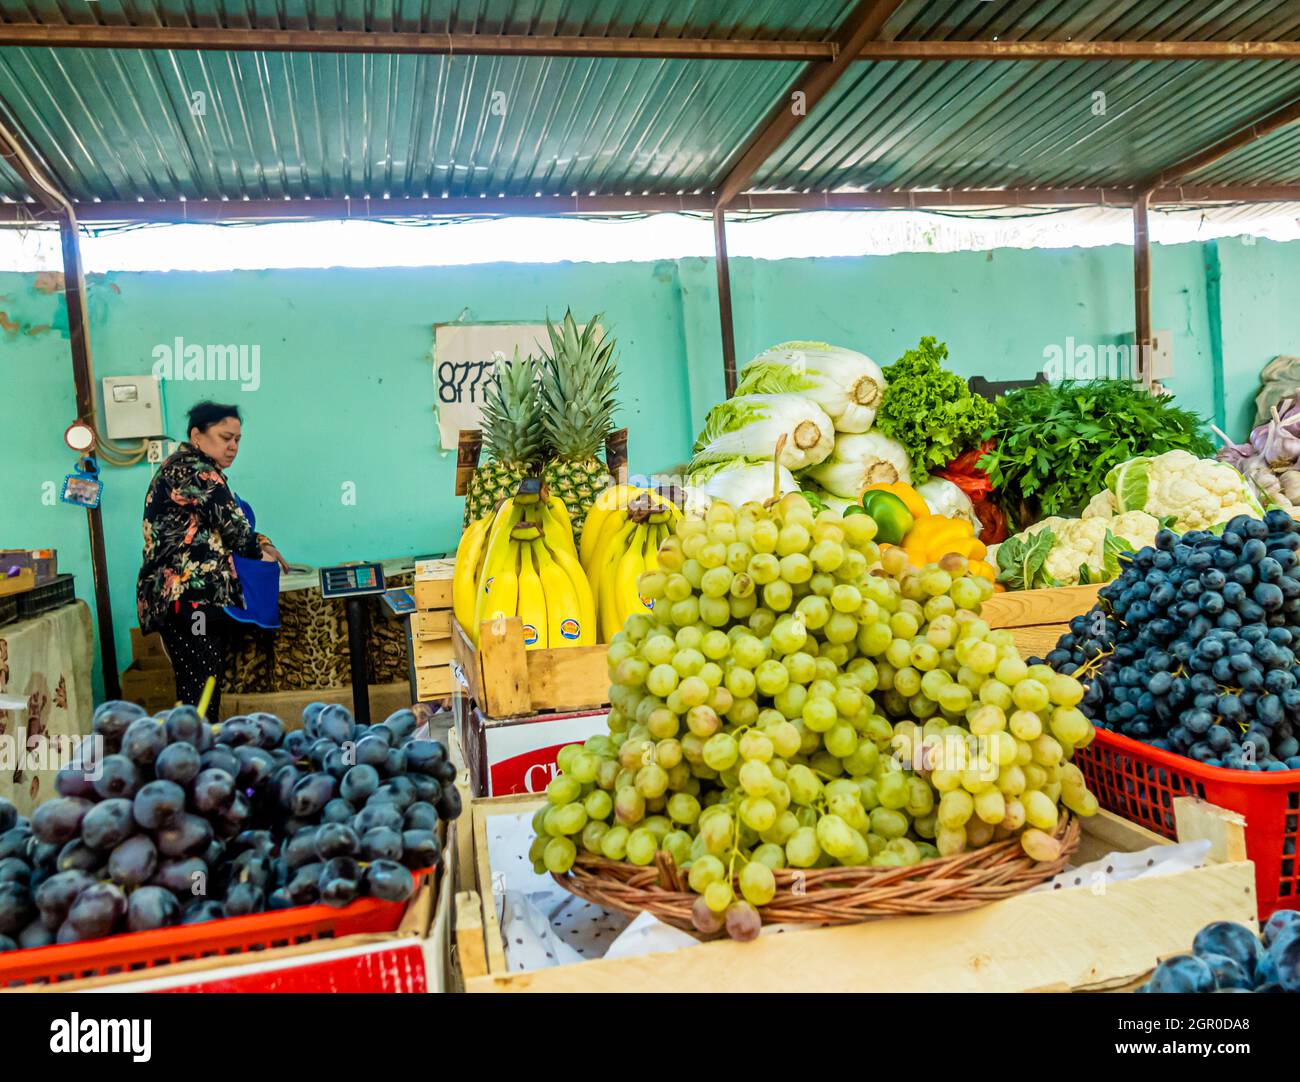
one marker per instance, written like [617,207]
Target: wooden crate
[150,684]
[431,624]
[433,583]
[1037,618]
[431,656]
[430,631]
[1092,936]
[434,684]
[507,681]
[431,653]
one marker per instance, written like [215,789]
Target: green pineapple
[579,378]
[512,436]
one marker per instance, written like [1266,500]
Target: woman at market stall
[195,534]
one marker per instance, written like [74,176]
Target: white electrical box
[1160,359]
[1162,354]
[132,407]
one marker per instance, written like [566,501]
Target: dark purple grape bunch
[1228,957]
[1195,647]
[169,820]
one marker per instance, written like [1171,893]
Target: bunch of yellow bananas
[625,527]
[521,561]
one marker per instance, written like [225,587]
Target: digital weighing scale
[354,583]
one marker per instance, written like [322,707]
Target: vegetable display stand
[1101,933]
[1143,784]
[1038,618]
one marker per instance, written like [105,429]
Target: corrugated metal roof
[1037,124]
[758,19]
[1096,20]
[1274,159]
[118,125]
[1020,123]
[11,187]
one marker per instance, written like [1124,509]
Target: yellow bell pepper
[905,492]
[935,536]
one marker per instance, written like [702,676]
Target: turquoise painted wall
[347,391]
[997,311]
[1261,318]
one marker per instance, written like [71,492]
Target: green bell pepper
[893,519]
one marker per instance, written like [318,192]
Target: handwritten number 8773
[452,378]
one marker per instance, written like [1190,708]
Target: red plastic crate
[132,951]
[1139,782]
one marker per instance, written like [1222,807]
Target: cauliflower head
[1081,541]
[1136,527]
[1101,505]
[1195,493]
[1078,541]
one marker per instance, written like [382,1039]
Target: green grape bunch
[800,698]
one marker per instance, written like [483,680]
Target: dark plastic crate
[8,609]
[58,591]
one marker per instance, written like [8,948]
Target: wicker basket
[831,895]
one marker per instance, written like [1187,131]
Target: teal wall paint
[1261,318]
[997,311]
[347,392]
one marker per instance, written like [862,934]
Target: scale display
[352,580]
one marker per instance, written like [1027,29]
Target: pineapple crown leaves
[510,408]
[579,378]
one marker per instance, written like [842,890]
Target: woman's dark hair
[203,415]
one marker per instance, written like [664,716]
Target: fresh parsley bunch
[1055,443]
[929,410]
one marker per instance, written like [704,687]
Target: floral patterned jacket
[192,527]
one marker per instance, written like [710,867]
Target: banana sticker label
[530,634]
[570,629]
[488,584]
[648,602]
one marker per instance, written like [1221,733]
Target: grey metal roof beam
[237,39]
[1079,50]
[241,39]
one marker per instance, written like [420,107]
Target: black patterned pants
[195,638]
